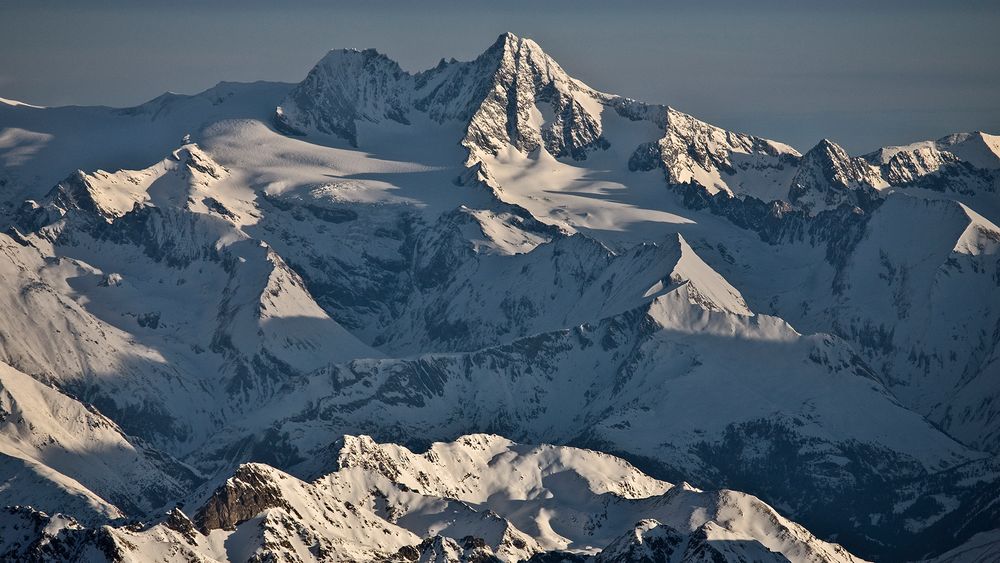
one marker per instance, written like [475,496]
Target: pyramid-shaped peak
[512,49]
[509,40]
[826,145]
[506,38]
[512,41]
[826,150]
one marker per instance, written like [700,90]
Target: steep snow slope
[30,483]
[479,467]
[912,297]
[167,306]
[479,496]
[982,547]
[828,177]
[963,166]
[979,149]
[187,179]
[584,281]
[58,455]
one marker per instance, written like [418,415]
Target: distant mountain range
[321,321]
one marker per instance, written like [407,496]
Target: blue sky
[864,74]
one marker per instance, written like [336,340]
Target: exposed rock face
[177,521]
[31,536]
[250,491]
[446,550]
[653,542]
[967,164]
[693,151]
[345,87]
[649,541]
[533,103]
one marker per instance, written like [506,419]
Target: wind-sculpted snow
[48,144]
[200,296]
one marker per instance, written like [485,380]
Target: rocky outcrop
[250,491]
[649,541]
[446,550]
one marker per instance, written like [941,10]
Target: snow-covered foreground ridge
[479,498]
[216,288]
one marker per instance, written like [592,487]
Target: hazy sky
[862,73]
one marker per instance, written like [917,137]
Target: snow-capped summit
[512,94]
[184,179]
[967,164]
[531,102]
[344,87]
[526,471]
[507,503]
[827,177]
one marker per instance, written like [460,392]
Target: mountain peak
[828,177]
[347,86]
[506,39]
[338,59]
[512,43]
[826,147]
[511,95]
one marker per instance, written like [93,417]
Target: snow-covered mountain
[479,498]
[59,455]
[512,95]
[202,295]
